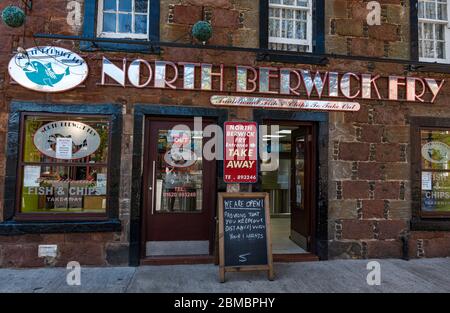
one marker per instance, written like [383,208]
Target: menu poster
[31,176]
[64,148]
[427,180]
[101,183]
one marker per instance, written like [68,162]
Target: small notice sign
[240,155]
[63,148]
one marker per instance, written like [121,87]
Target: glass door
[180,191]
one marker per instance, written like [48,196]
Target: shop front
[138,182]
[117,119]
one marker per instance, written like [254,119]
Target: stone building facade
[368,189]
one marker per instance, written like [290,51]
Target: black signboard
[244,233]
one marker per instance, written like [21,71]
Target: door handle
[152,187]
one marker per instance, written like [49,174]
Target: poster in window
[31,176]
[426,180]
[437,197]
[101,183]
[63,148]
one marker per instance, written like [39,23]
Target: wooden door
[302,187]
[180,190]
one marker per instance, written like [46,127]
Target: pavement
[424,275]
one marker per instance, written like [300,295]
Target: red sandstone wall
[369,183]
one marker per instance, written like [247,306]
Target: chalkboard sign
[244,233]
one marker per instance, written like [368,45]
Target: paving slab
[424,275]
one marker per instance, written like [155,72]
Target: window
[433,28]
[290,25]
[435,171]
[63,166]
[123,18]
[430,173]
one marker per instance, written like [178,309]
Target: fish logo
[43,75]
[48,69]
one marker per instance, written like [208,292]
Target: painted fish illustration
[43,75]
[75,147]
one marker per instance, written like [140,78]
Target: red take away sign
[240,152]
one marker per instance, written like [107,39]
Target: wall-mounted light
[13,16]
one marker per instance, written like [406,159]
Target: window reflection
[435,182]
[64,164]
[179,171]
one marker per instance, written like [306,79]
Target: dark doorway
[291,186]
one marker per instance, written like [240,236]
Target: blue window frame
[121,19]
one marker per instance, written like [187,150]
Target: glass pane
[274,28]
[429,49]
[141,6]
[124,23]
[420,31]
[283,28]
[274,12]
[430,10]
[442,12]
[301,15]
[436,191]
[435,149]
[440,32]
[289,2]
[179,171]
[302,3]
[290,29]
[421,49]
[301,30]
[288,14]
[299,187]
[440,50]
[125,5]
[428,31]
[140,24]
[109,5]
[275,1]
[421,10]
[48,139]
[109,22]
[63,189]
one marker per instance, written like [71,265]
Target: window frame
[102,34]
[424,220]
[446,24]
[430,64]
[309,27]
[90,30]
[318,38]
[9,224]
[58,216]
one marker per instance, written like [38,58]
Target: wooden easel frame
[245,268]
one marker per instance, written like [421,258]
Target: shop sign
[241,148]
[67,140]
[285,103]
[140,73]
[48,69]
[53,69]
